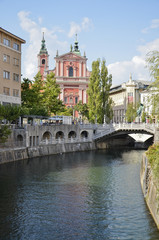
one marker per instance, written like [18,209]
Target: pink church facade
[71,74]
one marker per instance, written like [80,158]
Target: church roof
[72,55]
[43,49]
[74,52]
[76,49]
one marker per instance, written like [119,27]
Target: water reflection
[87,195]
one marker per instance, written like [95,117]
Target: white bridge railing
[111,128]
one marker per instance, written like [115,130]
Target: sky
[122,32]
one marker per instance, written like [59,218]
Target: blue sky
[121,31]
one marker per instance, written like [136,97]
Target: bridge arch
[84,134]
[120,134]
[47,135]
[72,134]
[19,140]
[59,135]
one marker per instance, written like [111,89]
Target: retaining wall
[10,155]
[149,189]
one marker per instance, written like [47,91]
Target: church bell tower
[43,59]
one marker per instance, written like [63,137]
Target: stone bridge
[122,129]
[120,134]
[29,136]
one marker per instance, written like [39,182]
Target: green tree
[27,94]
[37,88]
[152,60]
[143,117]
[131,113]
[94,91]
[153,65]
[105,111]
[4,133]
[99,102]
[32,97]
[51,95]
[32,92]
[9,112]
[82,109]
[66,111]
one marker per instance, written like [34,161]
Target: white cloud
[40,20]
[154,25]
[35,30]
[85,25]
[32,47]
[137,66]
[150,46]
[75,28]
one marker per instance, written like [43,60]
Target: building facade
[124,94]
[71,73]
[147,101]
[10,68]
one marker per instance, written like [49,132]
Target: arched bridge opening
[47,135]
[123,138]
[59,135]
[72,134]
[84,134]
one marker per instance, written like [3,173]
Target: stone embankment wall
[10,155]
[149,189]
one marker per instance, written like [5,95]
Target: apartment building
[124,94]
[10,68]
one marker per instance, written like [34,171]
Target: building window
[76,100]
[5,103]
[71,99]
[130,97]
[6,91]
[43,61]
[6,42]
[71,72]
[6,75]
[16,77]
[16,46]
[15,92]
[15,61]
[65,99]
[6,58]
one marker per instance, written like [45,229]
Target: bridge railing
[125,126]
[63,140]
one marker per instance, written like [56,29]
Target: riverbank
[149,188]
[15,154]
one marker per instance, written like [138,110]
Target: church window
[71,99]
[43,61]
[65,99]
[76,100]
[71,72]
